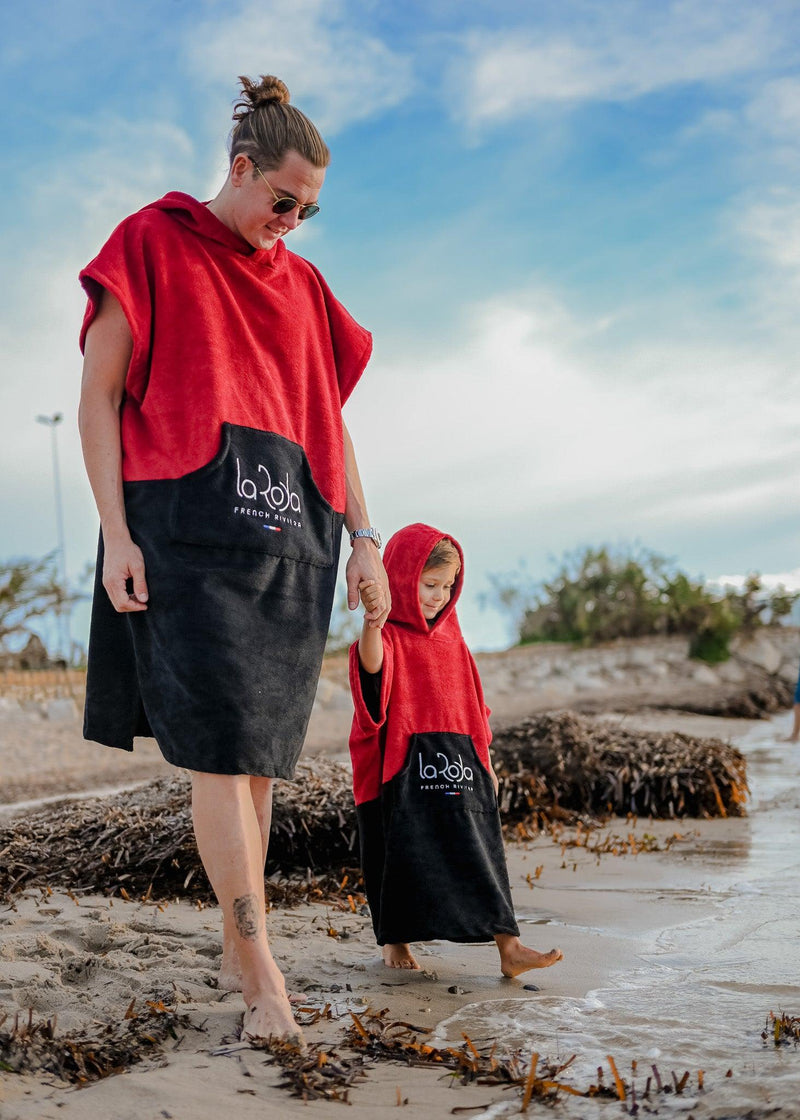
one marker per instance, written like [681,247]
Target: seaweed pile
[36,1047]
[553,768]
[587,766]
[140,842]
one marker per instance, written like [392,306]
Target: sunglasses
[287,204]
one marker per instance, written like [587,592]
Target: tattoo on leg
[245,914]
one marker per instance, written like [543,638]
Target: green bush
[599,595]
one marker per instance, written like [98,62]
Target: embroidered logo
[445,774]
[276,501]
[279,495]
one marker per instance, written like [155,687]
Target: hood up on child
[431,845]
[404,559]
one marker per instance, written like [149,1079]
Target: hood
[404,559]
[197,217]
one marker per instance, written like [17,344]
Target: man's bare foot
[229,978]
[398,956]
[268,1014]
[516,957]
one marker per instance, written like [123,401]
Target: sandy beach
[673,958]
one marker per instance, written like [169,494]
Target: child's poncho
[431,845]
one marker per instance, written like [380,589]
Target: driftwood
[140,843]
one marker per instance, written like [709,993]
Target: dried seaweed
[380,1038]
[566,762]
[313,1073]
[29,1046]
[782,1029]
[556,768]
[140,843]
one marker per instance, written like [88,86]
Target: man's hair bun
[270,90]
[267,126]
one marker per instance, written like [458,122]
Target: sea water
[699,994]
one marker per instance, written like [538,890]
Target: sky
[573,228]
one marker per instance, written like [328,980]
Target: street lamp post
[64,635]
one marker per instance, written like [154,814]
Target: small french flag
[272,528]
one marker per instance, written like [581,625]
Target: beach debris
[782,1029]
[555,770]
[554,765]
[35,1046]
[313,1073]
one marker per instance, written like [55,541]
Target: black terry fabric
[240,559]
[432,848]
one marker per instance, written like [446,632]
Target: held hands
[371,597]
[367,579]
[123,575]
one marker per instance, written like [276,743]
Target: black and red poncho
[431,843]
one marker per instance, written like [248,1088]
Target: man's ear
[240,169]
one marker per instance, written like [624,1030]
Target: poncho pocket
[258,495]
[444,774]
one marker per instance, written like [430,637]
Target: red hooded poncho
[224,332]
[429,828]
[234,488]
[429,680]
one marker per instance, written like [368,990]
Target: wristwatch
[373,535]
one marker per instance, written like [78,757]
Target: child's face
[435,587]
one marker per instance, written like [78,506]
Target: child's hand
[370,592]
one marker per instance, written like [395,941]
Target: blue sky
[574,229]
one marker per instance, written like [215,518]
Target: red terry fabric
[429,682]
[224,332]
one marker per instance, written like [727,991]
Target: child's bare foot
[516,957]
[398,956]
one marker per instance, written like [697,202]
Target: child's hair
[445,552]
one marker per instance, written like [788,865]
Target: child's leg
[398,956]
[516,957]
[795,733]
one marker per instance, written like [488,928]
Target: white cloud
[773,226]
[522,419]
[116,167]
[611,53]
[768,227]
[775,110]
[771,580]
[336,72]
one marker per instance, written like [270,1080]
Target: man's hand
[366,567]
[123,567]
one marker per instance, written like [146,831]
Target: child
[426,793]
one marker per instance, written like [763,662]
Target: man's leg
[230,972]
[228,827]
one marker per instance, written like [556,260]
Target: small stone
[531,988]
[454,990]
